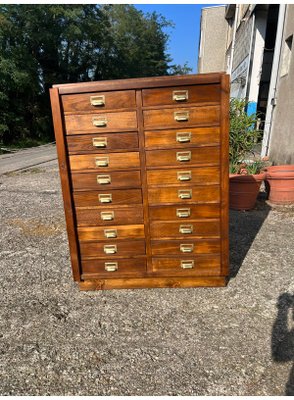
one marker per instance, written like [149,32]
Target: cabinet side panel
[225,98]
[65,183]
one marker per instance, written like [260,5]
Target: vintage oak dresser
[144,173]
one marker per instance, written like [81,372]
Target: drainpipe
[234,38]
[271,101]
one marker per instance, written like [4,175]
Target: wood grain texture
[95,181]
[165,117]
[77,103]
[121,216]
[173,247]
[200,229]
[127,249]
[122,231]
[125,267]
[194,176]
[168,213]
[199,194]
[203,265]
[119,197]
[88,162]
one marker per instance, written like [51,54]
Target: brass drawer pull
[110,248]
[183,156]
[99,121]
[103,179]
[186,248]
[184,176]
[185,194]
[97,100]
[180,95]
[181,116]
[186,229]
[105,198]
[183,212]
[183,137]
[101,161]
[110,233]
[187,264]
[111,266]
[100,142]
[107,215]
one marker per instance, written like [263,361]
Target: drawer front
[100,143]
[94,181]
[208,228]
[201,265]
[181,117]
[109,216]
[181,95]
[187,195]
[107,198]
[132,248]
[182,137]
[104,162]
[182,158]
[185,247]
[203,175]
[113,268]
[98,101]
[181,212]
[100,122]
[111,233]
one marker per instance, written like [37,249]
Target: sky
[184,37]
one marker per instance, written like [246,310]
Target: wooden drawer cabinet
[144,173]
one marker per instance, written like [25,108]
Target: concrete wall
[213,37]
[281,150]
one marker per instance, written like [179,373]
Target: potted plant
[246,173]
[280,184]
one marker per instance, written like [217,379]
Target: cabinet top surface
[139,83]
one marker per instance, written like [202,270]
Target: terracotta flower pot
[280,184]
[244,190]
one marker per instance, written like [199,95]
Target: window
[287,52]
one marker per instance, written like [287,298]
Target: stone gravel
[56,340]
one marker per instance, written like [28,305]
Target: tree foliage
[45,44]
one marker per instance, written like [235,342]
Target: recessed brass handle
[99,121]
[186,248]
[183,156]
[105,198]
[103,179]
[185,194]
[97,100]
[183,212]
[186,229]
[184,175]
[101,161]
[100,142]
[187,264]
[110,248]
[180,95]
[183,137]
[107,215]
[181,116]
[110,233]
[111,266]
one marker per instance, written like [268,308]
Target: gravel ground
[56,340]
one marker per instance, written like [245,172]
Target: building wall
[281,148]
[213,36]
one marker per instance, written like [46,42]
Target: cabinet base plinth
[145,283]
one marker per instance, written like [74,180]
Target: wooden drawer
[195,176]
[182,138]
[111,233]
[181,95]
[200,228]
[94,181]
[185,247]
[98,101]
[107,198]
[133,248]
[100,122]
[109,216]
[186,195]
[116,268]
[201,265]
[183,158]
[104,162]
[181,117]
[102,142]
[179,212]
